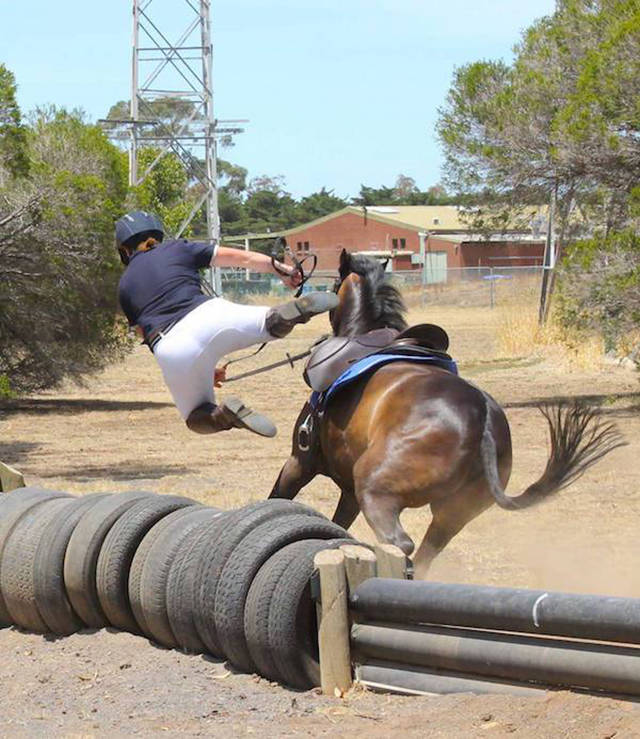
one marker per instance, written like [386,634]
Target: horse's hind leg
[383,515]
[379,505]
[450,515]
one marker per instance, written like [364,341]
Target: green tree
[165,188]
[375,196]
[405,187]
[600,289]
[553,121]
[13,134]
[267,210]
[318,204]
[231,177]
[404,192]
[163,115]
[58,267]
[562,120]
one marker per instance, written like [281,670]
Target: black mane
[380,304]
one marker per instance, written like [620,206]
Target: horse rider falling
[189,332]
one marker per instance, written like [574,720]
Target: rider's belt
[154,337]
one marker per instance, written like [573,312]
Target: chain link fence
[472,286]
[237,286]
[488,287]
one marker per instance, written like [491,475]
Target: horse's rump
[413,412]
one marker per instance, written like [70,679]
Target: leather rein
[305,276]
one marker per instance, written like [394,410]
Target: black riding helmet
[132,226]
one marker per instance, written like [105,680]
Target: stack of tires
[234,584]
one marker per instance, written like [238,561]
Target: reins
[290,359]
[242,358]
[280,242]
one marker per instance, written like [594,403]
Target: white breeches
[189,353]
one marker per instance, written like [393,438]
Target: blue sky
[338,92]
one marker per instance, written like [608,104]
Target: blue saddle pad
[368,365]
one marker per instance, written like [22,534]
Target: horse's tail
[579,438]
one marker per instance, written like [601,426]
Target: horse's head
[358,264]
[366,300]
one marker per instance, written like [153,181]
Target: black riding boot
[281,319]
[209,418]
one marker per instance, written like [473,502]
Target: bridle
[281,243]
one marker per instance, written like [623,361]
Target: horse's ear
[384,264]
[345,261]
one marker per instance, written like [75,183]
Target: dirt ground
[121,432]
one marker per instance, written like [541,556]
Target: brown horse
[413,434]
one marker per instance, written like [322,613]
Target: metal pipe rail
[599,618]
[412,680]
[603,667]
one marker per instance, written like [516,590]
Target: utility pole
[211,149]
[179,70]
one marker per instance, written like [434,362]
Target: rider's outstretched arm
[256,262]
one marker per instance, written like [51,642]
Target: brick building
[403,232]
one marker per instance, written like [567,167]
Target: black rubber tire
[227,609]
[48,568]
[156,570]
[274,577]
[137,565]
[117,553]
[181,601]
[293,626]
[240,523]
[83,551]
[18,558]
[291,636]
[13,506]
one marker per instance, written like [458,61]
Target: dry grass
[521,335]
[121,432]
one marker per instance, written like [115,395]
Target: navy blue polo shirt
[162,285]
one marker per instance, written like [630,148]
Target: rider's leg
[189,353]
[209,418]
[281,319]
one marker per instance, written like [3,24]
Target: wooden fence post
[391,561]
[333,623]
[359,563]
[10,479]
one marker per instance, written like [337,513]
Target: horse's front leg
[294,475]
[347,509]
[302,465]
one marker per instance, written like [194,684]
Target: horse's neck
[361,311]
[354,318]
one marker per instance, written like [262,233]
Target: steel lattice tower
[181,70]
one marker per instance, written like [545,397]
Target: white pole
[424,235]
